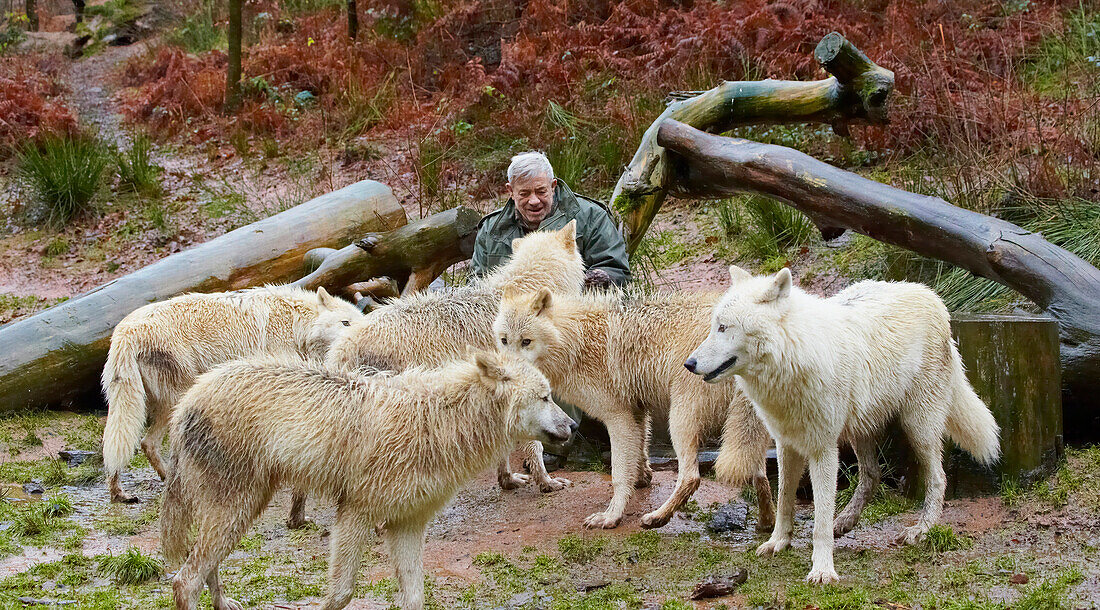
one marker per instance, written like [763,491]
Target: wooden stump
[1013,363]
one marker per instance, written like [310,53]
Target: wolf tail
[176,515]
[970,423]
[126,405]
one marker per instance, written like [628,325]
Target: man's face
[534,197]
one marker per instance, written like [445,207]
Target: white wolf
[159,350]
[823,370]
[390,449]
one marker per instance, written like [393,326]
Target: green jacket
[599,241]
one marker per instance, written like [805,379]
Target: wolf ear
[780,288]
[568,233]
[541,303]
[488,364]
[738,274]
[324,297]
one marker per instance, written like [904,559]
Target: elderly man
[541,202]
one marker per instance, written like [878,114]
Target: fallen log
[414,254]
[1065,286]
[856,93]
[55,357]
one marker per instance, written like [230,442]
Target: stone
[34,488]
[76,457]
[729,517]
[718,586]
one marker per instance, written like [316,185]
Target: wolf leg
[406,543]
[532,456]
[823,469]
[869,476]
[685,427]
[220,531]
[645,471]
[508,479]
[297,517]
[925,435]
[349,536]
[791,467]
[625,433]
[154,436]
[220,601]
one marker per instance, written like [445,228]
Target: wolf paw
[645,478]
[514,480]
[773,546]
[844,524]
[297,522]
[554,484]
[654,520]
[604,521]
[822,576]
[912,535]
[227,603]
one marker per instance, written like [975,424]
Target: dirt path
[92,83]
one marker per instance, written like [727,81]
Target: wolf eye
[721,328]
[525,342]
[504,340]
[546,398]
[346,322]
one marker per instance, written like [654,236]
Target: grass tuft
[132,567]
[575,549]
[63,174]
[136,171]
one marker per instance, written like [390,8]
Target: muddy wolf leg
[220,601]
[508,479]
[685,428]
[349,536]
[297,517]
[220,530]
[645,471]
[532,456]
[406,544]
[791,467]
[926,439]
[823,469]
[869,476]
[154,436]
[743,456]
[625,432]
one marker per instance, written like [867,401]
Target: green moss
[575,549]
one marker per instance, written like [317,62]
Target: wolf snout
[690,364]
[563,431]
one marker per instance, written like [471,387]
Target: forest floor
[1029,548]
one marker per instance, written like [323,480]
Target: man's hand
[597,278]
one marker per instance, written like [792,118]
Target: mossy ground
[523,549]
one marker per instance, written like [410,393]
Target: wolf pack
[388,414]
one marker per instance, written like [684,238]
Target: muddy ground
[489,548]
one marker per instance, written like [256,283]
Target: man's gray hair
[528,165]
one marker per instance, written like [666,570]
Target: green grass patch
[1066,57]
[131,567]
[575,549]
[137,173]
[198,32]
[63,174]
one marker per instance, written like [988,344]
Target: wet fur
[820,371]
[159,350]
[385,448]
[621,359]
[429,328]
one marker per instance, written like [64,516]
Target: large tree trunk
[414,255]
[233,72]
[857,92]
[32,15]
[55,358]
[1062,284]
[353,20]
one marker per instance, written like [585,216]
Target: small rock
[521,599]
[174,246]
[729,517]
[75,457]
[717,586]
[34,488]
[1019,579]
[591,585]
[30,601]
[305,98]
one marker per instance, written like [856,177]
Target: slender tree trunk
[233,73]
[32,15]
[353,20]
[857,92]
[79,6]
